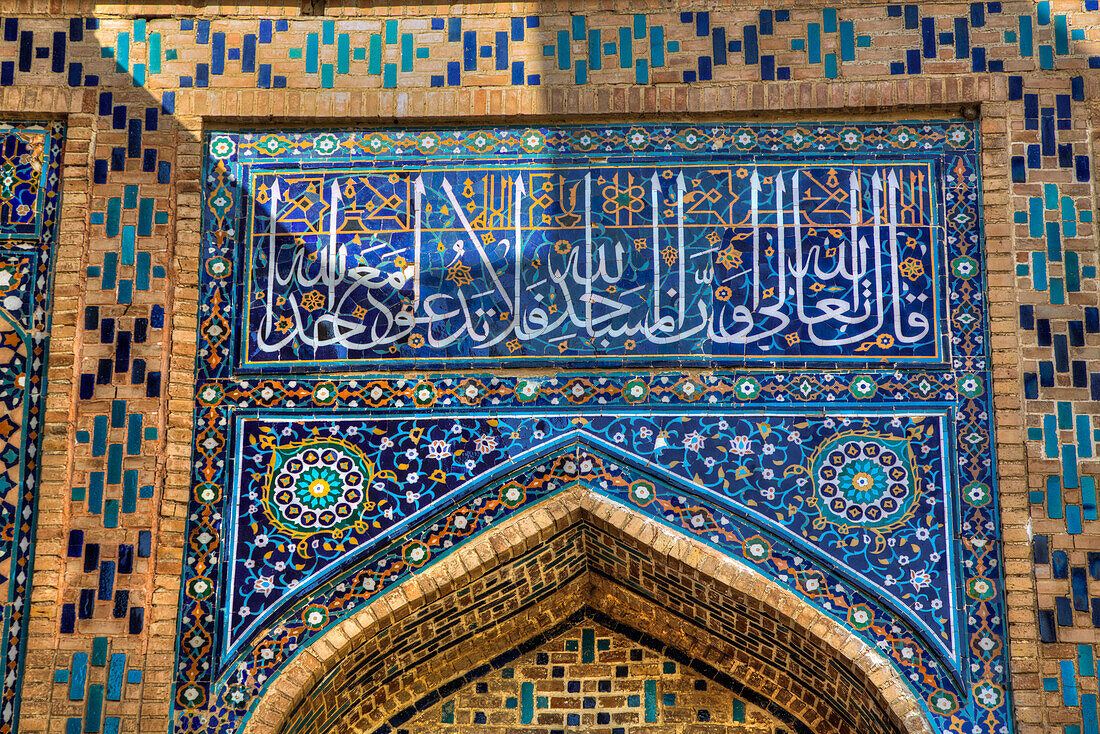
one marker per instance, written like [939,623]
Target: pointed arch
[576,551]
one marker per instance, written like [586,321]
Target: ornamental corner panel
[30,190]
[771,338]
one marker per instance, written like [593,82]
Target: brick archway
[575,553]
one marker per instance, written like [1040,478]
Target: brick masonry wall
[592,677]
[573,557]
[763,656]
[137,85]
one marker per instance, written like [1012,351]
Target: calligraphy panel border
[941,144]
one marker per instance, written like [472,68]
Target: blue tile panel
[746,247]
[755,207]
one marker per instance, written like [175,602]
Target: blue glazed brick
[1082,168]
[911,17]
[765,22]
[1019,173]
[137,620]
[752,53]
[912,61]
[1063,611]
[961,39]
[977,14]
[1015,87]
[121,604]
[702,24]
[928,38]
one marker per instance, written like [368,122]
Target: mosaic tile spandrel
[330,489]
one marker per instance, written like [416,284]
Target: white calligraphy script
[775,282]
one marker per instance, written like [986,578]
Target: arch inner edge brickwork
[315,687]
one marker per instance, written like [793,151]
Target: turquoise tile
[99,651]
[595,57]
[1046,57]
[1061,35]
[153,53]
[813,43]
[657,46]
[626,49]
[145,217]
[343,53]
[114,216]
[407,53]
[129,234]
[1026,47]
[110,513]
[374,66]
[122,53]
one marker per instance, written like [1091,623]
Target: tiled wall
[133,91]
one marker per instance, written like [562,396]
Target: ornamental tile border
[30,188]
[237,417]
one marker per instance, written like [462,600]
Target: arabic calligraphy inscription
[721,261]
